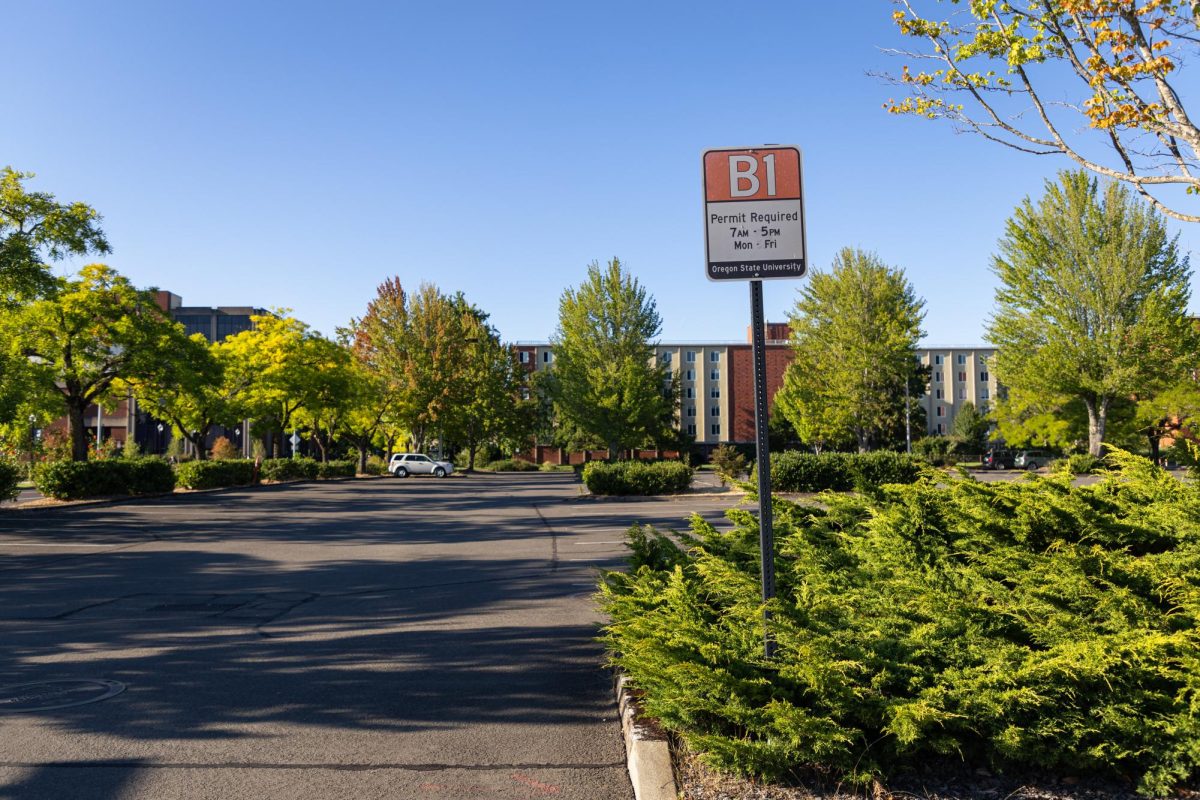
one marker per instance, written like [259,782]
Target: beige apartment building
[957,375]
[717,384]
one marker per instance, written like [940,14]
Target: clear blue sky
[295,154]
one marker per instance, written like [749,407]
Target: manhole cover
[48,695]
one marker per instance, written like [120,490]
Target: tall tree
[92,332]
[1098,81]
[331,394]
[280,360]
[606,381]
[1092,299]
[855,331]
[970,428]
[35,229]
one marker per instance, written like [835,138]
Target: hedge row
[337,469]
[1024,625]
[289,469]
[76,480]
[511,465]
[215,474]
[10,476]
[637,477]
[796,471]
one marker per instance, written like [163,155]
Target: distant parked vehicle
[1031,459]
[404,464]
[998,458]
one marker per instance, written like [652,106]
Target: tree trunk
[614,451]
[79,443]
[1097,420]
[362,459]
[1154,437]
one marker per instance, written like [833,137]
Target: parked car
[404,464]
[998,458]
[1031,459]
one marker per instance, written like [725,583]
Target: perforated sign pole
[754,230]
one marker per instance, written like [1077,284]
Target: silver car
[404,464]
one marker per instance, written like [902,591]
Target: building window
[691,411]
[691,430]
[715,375]
[937,376]
[962,393]
[689,393]
[666,358]
[937,394]
[232,324]
[715,428]
[937,360]
[714,392]
[940,429]
[983,393]
[962,359]
[714,411]
[983,377]
[941,412]
[962,377]
[691,356]
[690,375]
[545,356]
[524,356]
[714,356]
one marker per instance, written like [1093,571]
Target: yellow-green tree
[1098,81]
[90,333]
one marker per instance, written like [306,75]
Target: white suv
[404,464]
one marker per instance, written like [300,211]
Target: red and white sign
[754,213]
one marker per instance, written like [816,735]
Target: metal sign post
[754,229]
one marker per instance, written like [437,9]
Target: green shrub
[288,469]
[511,465]
[376,466]
[10,477]
[76,480]
[934,449]
[215,474]
[1015,625]
[550,466]
[637,477]
[796,471]
[728,462]
[336,469]
[1078,464]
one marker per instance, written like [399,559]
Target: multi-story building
[717,382]
[957,374]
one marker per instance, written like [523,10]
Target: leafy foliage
[289,469]
[10,476]
[637,477]
[1013,624]
[511,465]
[344,468]
[729,462]
[215,474]
[78,480]
[797,471]
[606,383]
[223,449]
[1092,302]
[855,331]
[1108,72]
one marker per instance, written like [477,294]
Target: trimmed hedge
[1023,625]
[637,477]
[337,469]
[511,465]
[289,469]
[10,476]
[215,474]
[77,480]
[797,471]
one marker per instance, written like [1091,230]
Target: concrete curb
[647,753]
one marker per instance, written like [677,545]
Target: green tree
[606,381]
[1092,300]
[1094,80]
[854,336]
[91,332]
[35,229]
[280,361]
[331,392]
[970,429]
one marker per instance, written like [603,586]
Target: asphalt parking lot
[352,639]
